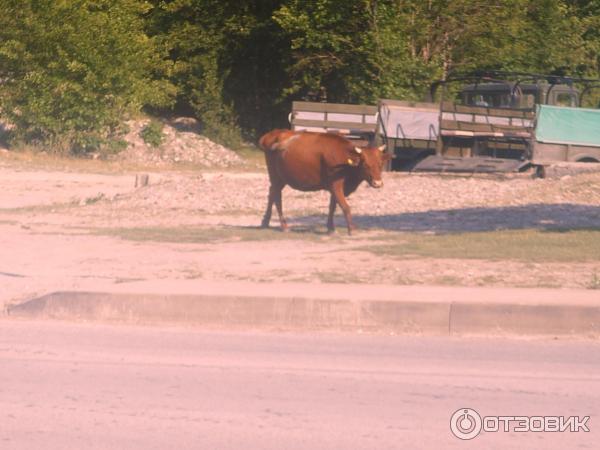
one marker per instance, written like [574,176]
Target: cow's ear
[352,162]
[386,157]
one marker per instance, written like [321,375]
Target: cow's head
[371,164]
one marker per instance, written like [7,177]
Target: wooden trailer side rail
[479,130]
[358,122]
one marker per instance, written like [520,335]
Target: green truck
[492,125]
[566,134]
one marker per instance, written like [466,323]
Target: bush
[152,134]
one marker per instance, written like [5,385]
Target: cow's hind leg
[267,217]
[275,189]
[337,191]
[279,205]
[332,206]
[274,197]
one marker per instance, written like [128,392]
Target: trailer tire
[540,172]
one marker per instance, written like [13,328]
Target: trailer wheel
[540,172]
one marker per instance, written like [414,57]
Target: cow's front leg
[337,191]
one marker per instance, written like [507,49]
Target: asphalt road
[79,386]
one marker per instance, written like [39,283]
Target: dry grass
[27,159]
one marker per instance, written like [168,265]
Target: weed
[595,282]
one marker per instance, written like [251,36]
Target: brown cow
[309,161]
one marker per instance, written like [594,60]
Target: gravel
[182,145]
[407,202]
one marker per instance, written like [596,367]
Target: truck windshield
[565,99]
[490,100]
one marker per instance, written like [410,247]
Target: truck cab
[523,96]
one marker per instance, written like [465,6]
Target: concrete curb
[441,317]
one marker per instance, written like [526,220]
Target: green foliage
[195,32]
[331,48]
[152,133]
[386,48]
[114,146]
[72,70]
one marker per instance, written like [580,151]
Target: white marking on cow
[283,145]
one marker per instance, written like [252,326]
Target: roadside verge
[433,310]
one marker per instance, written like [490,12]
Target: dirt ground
[67,225]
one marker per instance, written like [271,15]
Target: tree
[72,70]
[242,63]
[229,61]
[331,49]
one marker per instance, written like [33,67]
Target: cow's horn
[358,150]
[381,148]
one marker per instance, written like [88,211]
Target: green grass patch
[520,245]
[202,235]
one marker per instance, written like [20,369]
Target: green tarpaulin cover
[562,125]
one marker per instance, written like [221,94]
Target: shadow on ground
[538,216]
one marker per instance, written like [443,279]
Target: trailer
[409,130]
[481,139]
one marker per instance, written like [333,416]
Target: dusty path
[61,229]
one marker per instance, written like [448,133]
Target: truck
[566,134]
[487,125]
[491,126]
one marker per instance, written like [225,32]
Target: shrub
[152,133]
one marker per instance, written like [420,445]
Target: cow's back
[274,138]
[306,160]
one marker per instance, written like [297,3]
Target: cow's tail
[267,141]
[275,140]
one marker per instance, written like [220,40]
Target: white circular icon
[465,423]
